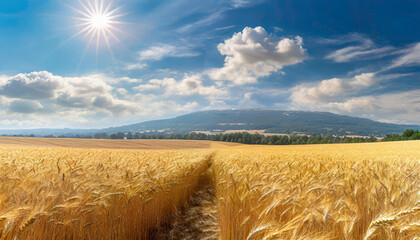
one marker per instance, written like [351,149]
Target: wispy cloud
[243,3]
[218,13]
[135,66]
[224,28]
[363,49]
[205,21]
[410,57]
[166,50]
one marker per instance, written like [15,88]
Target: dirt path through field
[199,219]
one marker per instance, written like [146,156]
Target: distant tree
[120,135]
[113,136]
[325,139]
[101,136]
[408,133]
[130,135]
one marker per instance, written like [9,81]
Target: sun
[98,22]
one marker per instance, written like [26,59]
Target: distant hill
[49,131]
[272,121]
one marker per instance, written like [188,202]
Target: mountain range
[269,121]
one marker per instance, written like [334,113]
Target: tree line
[247,138]
[240,137]
[408,134]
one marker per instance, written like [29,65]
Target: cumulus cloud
[147,87]
[156,106]
[248,101]
[89,101]
[23,91]
[15,122]
[329,89]
[343,96]
[94,100]
[189,85]
[253,53]
[364,49]
[216,105]
[162,51]
[188,107]
[36,85]
[122,91]
[24,106]
[353,105]
[397,107]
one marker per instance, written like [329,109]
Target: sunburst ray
[98,21]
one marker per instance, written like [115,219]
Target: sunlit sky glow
[100,63]
[98,22]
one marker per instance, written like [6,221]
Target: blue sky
[358,58]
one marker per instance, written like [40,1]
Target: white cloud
[343,96]
[114,80]
[365,49]
[147,87]
[122,91]
[24,106]
[158,107]
[162,51]
[253,53]
[36,85]
[352,105]
[188,107]
[329,89]
[135,66]
[278,29]
[204,21]
[224,28]
[248,101]
[22,93]
[216,105]
[15,122]
[240,3]
[244,3]
[398,107]
[189,85]
[410,57]
[93,101]
[209,12]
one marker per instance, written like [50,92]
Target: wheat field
[216,191]
[107,143]
[351,191]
